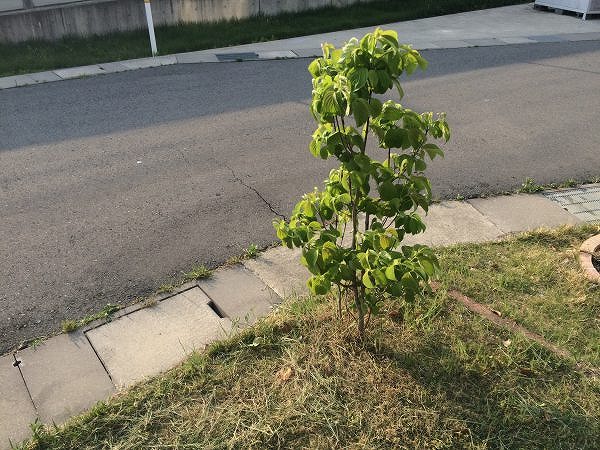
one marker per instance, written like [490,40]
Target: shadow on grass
[502,406]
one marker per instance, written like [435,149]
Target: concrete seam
[572,69]
[100,359]
[487,219]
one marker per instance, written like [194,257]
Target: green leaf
[311,256]
[433,151]
[379,276]
[315,68]
[387,190]
[396,138]
[360,109]
[358,77]
[391,37]
[390,272]
[385,241]
[427,266]
[319,285]
[329,103]
[399,88]
[375,107]
[373,78]
[366,280]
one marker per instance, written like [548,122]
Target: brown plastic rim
[588,248]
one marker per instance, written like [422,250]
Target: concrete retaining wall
[21,20]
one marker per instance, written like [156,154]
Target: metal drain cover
[582,202]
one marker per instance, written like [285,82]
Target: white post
[150,27]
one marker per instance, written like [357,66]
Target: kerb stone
[523,212]
[154,339]
[64,377]
[454,222]
[280,269]
[240,294]
[16,409]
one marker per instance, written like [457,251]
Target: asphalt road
[112,185]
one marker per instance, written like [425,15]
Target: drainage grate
[583,202]
[236,56]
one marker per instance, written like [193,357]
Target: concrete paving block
[8,82]
[240,294]
[78,72]
[483,42]
[167,60]
[424,46]
[11,5]
[142,63]
[230,56]
[24,80]
[588,216]
[517,40]
[196,57]
[309,52]
[64,377]
[281,270]
[113,67]
[16,409]
[547,38]
[523,212]
[454,222]
[155,339]
[277,54]
[44,77]
[573,37]
[450,43]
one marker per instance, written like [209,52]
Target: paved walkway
[67,374]
[519,24]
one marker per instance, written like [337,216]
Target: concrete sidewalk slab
[154,339]
[8,82]
[522,212]
[145,63]
[44,77]
[64,377]
[574,37]
[277,54]
[78,72]
[202,56]
[280,269]
[309,52]
[239,294]
[113,67]
[16,408]
[517,40]
[547,38]
[141,63]
[451,44]
[454,222]
[484,42]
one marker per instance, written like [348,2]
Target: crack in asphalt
[247,186]
[573,69]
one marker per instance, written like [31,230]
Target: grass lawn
[535,280]
[39,55]
[432,375]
